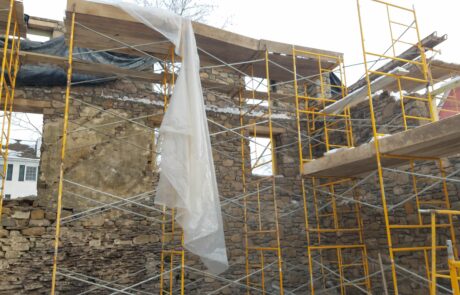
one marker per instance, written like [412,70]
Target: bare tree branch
[26,123]
[32,125]
[196,10]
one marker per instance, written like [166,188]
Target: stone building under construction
[324,187]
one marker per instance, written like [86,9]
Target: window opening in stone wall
[23,154]
[157,154]
[38,37]
[256,84]
[159,68]
[158,87]
[261,155]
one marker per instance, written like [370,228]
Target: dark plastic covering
[49,75]
[335,80]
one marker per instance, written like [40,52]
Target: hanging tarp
[187,177]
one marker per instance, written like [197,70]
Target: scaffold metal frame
[454,269]
[167,220]
[450,272]
[172,236]
[169,229]
[390,227]
[332,188]
[336,129]
[9,71]
[255,182]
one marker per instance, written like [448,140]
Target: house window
[7,197]
[22,170]
[31,173]
[261,155]
[9,172]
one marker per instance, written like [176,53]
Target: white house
[21,177]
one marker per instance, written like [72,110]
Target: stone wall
[398,187]
[109,159]
[103,246]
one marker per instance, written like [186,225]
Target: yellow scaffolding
[63,150]
[454,269]
[260,207]
[324,220]
[169,76]
[172,237]
[10,68]
[172,245]
[451,270]
[392,226]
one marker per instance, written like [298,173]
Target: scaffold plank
[92,32]
[433,140]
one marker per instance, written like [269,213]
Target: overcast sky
[325,24]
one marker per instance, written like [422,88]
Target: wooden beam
[87,67]
[105,70]
[265,130]
[286,49]
[43,24]
[360,95]
[28,105]
[226,46]
[19,15]
[111,12]
[434,140]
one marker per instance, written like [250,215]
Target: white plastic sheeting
[187,177]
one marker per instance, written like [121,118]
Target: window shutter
[9,172]
[22,170]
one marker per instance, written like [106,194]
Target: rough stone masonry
[115,159]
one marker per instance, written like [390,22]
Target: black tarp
[335,80]
[49,75]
